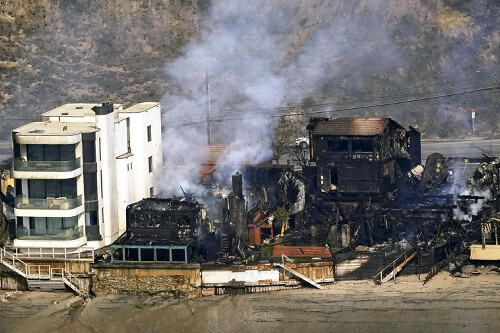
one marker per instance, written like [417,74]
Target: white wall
[106,123]
[249,275]
[124,174]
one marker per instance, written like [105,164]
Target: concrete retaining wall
[249,274]
[176,279]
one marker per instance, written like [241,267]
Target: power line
[225,112]
[342,109]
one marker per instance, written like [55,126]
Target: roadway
[461,148]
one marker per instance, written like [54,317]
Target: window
[90,186]
[52,225]
[151,191]
[88,151]
[149,133]
[91,218]
[51,152]
[334,179]
[43,188]
[150,163]
[362,146]
[338,145]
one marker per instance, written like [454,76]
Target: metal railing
[82,252]
[48,234]
[69,279]
[38,272]
[62,203]
[390,270]
[53,166]
[13,262]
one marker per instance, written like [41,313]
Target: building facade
[361,155]
[77,170]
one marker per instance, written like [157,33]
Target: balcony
[62,203]
[50,234]
[44,166]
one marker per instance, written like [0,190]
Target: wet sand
[444,304]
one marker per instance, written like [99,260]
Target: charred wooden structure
[366,187]
[361,155]
[165,230]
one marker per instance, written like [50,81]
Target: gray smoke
[258,56]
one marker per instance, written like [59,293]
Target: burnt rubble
[364,190]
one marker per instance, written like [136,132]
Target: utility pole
[207,92]
[473,116]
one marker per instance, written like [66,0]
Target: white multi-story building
[77,170]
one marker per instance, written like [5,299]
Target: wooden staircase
[42,277]
[300,276]
[393,268]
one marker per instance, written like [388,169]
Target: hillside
[325,57]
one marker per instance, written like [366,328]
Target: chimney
[103,109]
[238,185]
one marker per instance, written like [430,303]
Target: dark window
[70,222]
[53,188]
[17,150]
[150,163]
[36,188]
[178,255]
[147,254]
[149,133]
[90,186]
[91,218]
[362,146]
[88,151]
[132,254]
[338,145]
[334,178]
[53,223]
[35,152]
[67,152]
[68,188]
[43,188]
[162,255]
[51,152]
[19,186]
[151,191]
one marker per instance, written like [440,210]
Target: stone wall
[179,280]
[10,280]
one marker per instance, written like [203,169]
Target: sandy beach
[444,304]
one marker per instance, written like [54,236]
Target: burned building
[164,230]
[360,155]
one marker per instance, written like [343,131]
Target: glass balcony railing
[55,166]
[48,234]
[61,203]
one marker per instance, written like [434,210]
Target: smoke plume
[252,58]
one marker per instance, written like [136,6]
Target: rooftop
[54,128]
[349,126]
[140,107]
[74,110]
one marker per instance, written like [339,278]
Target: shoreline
[445,303]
